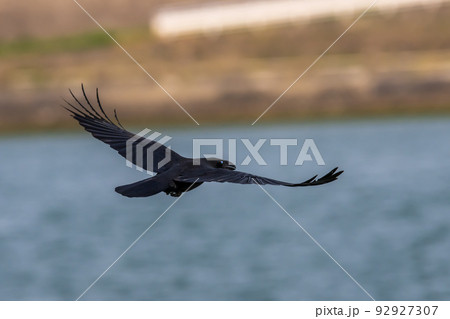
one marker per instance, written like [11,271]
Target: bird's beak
[230,167]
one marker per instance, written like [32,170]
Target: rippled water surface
[386,220]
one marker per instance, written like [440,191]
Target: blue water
[386,220]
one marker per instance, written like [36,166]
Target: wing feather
[221,175]
[115,135]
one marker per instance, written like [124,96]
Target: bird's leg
[176,194]
[173,190]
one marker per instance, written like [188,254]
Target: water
[386,220]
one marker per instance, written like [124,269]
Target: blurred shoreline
[69,126]
[387,65]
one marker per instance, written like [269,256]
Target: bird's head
[220,163]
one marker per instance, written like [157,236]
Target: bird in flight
[176,176]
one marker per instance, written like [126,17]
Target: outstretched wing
[221,175]
[142,152]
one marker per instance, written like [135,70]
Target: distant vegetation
[386,64]
[71,43]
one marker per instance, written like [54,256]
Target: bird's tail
[144,188]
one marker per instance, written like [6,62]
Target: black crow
[179,174]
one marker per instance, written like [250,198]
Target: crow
[177,175]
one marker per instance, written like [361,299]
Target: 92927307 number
[406,310]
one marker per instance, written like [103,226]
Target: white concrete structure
[227,16]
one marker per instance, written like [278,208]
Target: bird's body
[177,175]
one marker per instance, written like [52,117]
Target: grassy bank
[386,65]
